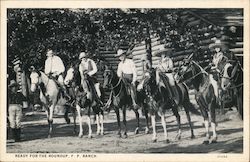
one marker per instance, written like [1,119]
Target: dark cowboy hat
[13,83]
[220,44]
[163,50]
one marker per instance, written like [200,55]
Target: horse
[232,80]
[50,95]
[159,101]
[194,75]
[82,103]
[119,98]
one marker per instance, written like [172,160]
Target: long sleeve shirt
[54,65]
[166,65]
[127,67]
[88,65]
[217,58]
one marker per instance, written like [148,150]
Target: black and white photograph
[144,81]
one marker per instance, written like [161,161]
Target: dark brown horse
[159,100]
[194,75]
[119,98]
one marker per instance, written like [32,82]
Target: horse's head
[107,76]
[228,74]
[148,82]
[185,71]
[69,76]
[34,77]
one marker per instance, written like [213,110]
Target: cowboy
[218,62]
[127,71]
[166,67]
[54,68]
[88,69]
[15,102]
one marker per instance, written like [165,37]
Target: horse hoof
[178,137]
[80,136]
[206,142]
[125,135]
[193,137]
[146,131]
[154,140]
[167,141]
[68,121]
[90,137]
[214,141]
[137,131]
[49,136]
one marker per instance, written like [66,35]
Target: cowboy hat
[83,55]
[220,44]
[49,53]
[162,50]
[120,52]
[13,83]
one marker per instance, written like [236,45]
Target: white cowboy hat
[13,83]
[162,50]
[83,55]
[50,53]
[218,43]
[120,52]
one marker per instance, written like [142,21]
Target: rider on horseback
[54,68]
[88,69]
[165,67]
[127,71]
[218,62]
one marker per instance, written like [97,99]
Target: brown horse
[119,98]
[194,75]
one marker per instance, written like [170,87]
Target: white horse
[73,79]
[50,96]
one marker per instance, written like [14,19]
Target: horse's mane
[202,77]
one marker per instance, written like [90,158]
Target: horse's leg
[213,120]
[74,118]
[78,108]
[97,124]
[147,121]
[66,114]
[163,122]
[138,121]
[118,121]
[206,122]
[154,139]
[50,120]
[124,121]
[89,123]
[186,108]
[178,118]
[101,121]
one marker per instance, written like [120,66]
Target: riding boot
[18,135]
[13,134]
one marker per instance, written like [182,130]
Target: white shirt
[127,67]
[217,58]
[54,65]
[86,65]
[166,64]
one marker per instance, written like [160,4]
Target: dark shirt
[16,98]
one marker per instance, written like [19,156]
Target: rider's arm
[94,68]
[171,64]
[119,70]
[59,65]
[81,72]
[47,67]
[134,71]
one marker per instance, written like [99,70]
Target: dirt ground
[35,129]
